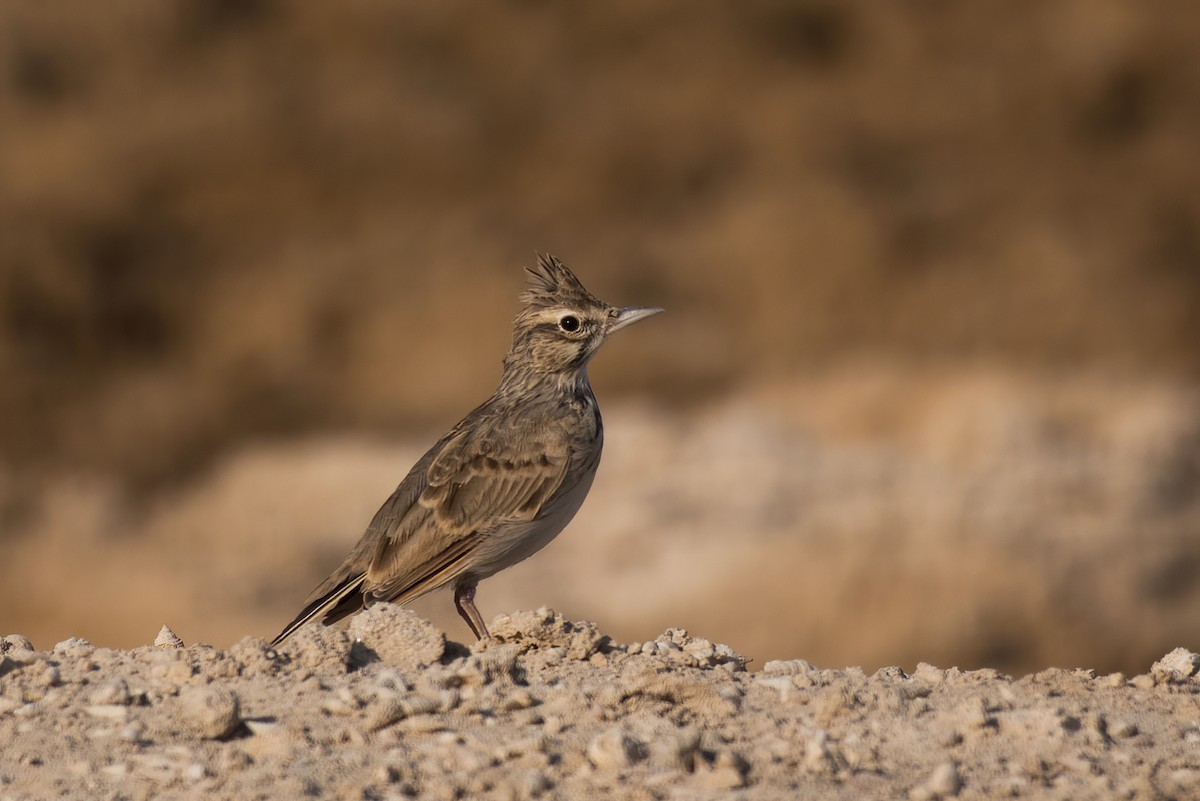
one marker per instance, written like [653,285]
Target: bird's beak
[631,314]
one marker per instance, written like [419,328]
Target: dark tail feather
[344,599]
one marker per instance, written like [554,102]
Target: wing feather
[470,490]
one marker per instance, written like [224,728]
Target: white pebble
[167,639]
[209,712]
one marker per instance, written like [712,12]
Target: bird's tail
[345,598]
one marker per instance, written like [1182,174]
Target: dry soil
[549,708]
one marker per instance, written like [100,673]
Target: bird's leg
[464,601]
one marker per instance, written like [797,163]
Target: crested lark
[504,481]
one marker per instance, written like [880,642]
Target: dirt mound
[551,708]
[256,256]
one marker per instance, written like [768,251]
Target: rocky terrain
[549,708]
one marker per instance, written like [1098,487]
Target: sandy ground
[926,389]
[550,708]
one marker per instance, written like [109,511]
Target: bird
[505,480]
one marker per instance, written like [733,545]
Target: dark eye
[569,323]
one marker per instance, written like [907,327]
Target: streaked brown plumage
[505,480]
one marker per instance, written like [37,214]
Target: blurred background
[928,386]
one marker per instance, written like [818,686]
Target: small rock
[169,667]
[74,647]
[113,693]
[714,778]
[209,712]
[1176,667]
[518,699]
[974,713]
[512,749]
[167,639]
[1069,724]
[386,709]
[15,642]
[383,711]
[821,755]
[726,772]
[783,684]
[699,648]
[534,783]
[1121,728]
[395,636]
[928,673]
[343,703]
[1175,780]
[677,636]
[889,675]
[51,676]
[319,648]
[545,628]
[676,749]
[678,646]
[156,767]
[615,749]
[497,662]
[255,657]
[553,655]
[944,782]
[107,711]
[788,667]
[233,759]
[135,732]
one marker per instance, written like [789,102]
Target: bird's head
[561,325]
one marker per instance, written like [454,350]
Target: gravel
[552,708]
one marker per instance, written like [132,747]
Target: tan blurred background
[927,388]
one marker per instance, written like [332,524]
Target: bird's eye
[569,323]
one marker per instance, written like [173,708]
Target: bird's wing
[471,486]
[341,594]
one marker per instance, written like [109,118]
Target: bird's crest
[552,284]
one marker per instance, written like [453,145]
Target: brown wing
[341,594]
[471,487]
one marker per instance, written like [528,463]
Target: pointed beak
[631,314]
